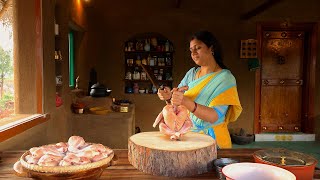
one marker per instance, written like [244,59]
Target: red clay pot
[301,165]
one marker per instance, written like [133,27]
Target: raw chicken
[72,158]
[100,156]
[174,121]
[75,152]
[84,160]
[65,163]
[49,160]
[94,147]
[88,153]
[36,152]
[32,159]
[75,142]
[51,149]
[62,147]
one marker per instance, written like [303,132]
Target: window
[27,67]
[6,61]
[71,59]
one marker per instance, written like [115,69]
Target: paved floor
[309,147]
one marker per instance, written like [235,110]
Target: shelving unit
[58,58]
[154,51]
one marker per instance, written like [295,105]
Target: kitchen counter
[112,129]
[122,169]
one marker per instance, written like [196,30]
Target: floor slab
[285,137]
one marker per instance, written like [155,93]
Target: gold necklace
[215,67]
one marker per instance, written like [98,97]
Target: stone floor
[309,147]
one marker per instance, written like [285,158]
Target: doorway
[284,90]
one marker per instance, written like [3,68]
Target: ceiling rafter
[178,3]
[259,9]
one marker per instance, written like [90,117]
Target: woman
[208,91]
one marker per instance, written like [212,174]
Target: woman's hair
[207,38]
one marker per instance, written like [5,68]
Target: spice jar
[129,75]
[135,88]
[143,76]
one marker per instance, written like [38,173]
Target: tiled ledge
[285,137]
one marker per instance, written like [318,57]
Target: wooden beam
[178,3]
[39,55]
[266,5]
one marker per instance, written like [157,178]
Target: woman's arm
[164,94]
[203,112]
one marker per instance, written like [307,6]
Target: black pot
[99,90]
[242,139]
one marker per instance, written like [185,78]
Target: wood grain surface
[154,153]
[122,169]
[159,141]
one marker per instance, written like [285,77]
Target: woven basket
[64,169]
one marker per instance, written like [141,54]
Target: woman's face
[200,52]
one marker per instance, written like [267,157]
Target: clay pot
[301,165]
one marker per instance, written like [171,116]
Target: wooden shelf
[152,52]
[156,56]
[154,67]
[141,93]
[139,80]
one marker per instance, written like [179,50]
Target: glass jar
[135,88]
[129,75]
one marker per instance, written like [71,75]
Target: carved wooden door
[282,81]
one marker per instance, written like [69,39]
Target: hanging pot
[301,165]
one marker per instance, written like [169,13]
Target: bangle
[195,107]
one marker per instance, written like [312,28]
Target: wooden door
[282,79]
[285,83]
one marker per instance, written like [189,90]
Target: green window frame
[71,60]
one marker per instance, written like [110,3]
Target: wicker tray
[91,170]
[64,169]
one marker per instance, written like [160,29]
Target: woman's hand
[177,95]
[164,94]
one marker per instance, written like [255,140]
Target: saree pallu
[214,89]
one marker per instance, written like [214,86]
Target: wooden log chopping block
[154,153]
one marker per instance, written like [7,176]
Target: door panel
[280,108]
[281,81]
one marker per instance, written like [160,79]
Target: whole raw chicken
[174,121]
[75,152]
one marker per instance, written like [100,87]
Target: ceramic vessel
[245,171]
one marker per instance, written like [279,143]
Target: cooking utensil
[151,76]
[220,163]
[245,171]
[99,90]
[302,165]
[153,79]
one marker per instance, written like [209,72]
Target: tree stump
[154,153]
